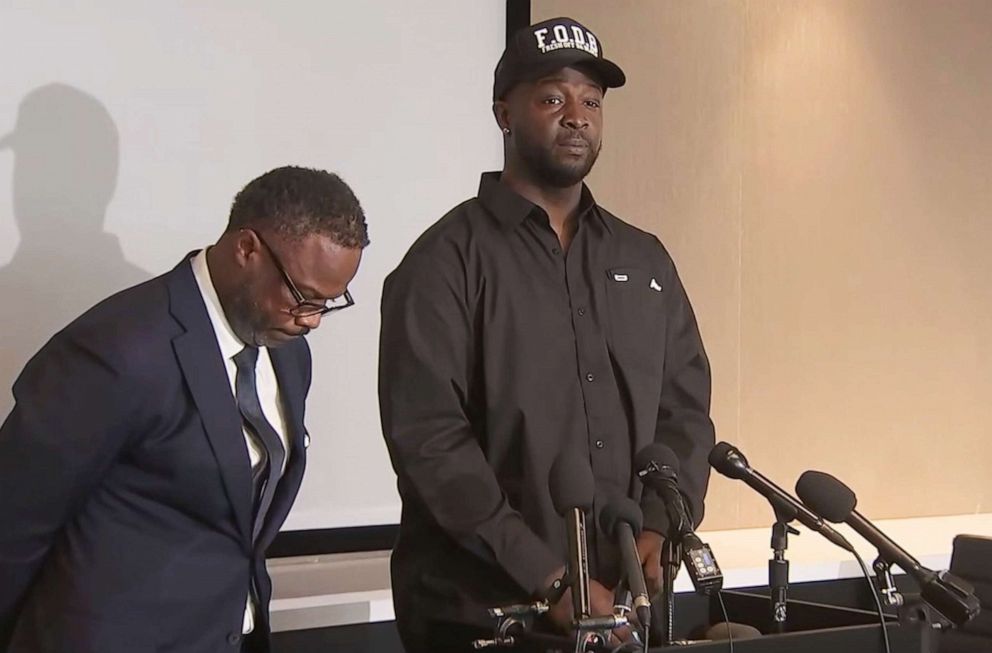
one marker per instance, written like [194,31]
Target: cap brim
[607,73]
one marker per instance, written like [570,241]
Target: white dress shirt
[265,380]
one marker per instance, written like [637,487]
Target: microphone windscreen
[826,496]
[731,630]
[658,454]
[571,483]
[621,509]
[728,460]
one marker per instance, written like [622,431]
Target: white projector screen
[132,126]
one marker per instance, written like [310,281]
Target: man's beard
[553,172]
[243,316]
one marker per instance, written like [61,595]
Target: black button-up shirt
[497,352]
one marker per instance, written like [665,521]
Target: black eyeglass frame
[304,307]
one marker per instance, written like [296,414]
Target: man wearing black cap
[526,322]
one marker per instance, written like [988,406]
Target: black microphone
[658,468]
[729,461]
[951,596]
[572,488]
[621,598]
[622,518]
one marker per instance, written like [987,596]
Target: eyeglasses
[305,307]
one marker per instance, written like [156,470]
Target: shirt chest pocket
[635,323]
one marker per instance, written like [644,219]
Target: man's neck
[219,276]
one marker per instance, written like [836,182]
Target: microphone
[729,461]
[621,598]
[519,609]
[658,468]
[622,519]
[572,488]
[605,623]
[951,596]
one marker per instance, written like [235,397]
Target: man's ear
[501,111]
[246,246]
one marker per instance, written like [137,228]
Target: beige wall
[822,173]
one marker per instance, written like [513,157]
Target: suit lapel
[203,368]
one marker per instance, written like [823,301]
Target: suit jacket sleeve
[70,419]
[426,365]
[683,413]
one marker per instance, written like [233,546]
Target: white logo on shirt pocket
[655,285]
[620,277]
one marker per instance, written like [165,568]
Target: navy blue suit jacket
[125,484]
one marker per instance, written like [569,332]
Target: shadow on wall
[66,153]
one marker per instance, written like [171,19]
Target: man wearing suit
[157,442]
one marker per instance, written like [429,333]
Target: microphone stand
[671,560]
[515,624]
[886,585]
[778,569]
[587,642]
[911,610]
[587,637]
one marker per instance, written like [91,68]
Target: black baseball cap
[545,47]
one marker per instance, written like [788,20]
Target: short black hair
[297,202]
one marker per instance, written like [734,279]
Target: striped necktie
[266,477]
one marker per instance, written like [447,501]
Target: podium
[816,624]
[812,627]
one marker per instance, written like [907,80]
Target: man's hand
[562,614]
[649,546]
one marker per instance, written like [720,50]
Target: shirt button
[581,312]
[590,378]
[556,251]
[600,444]
[234,639]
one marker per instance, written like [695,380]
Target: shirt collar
[511,209]
[230,344]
